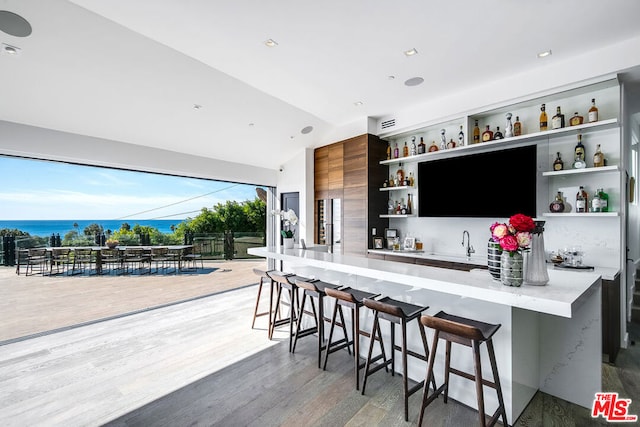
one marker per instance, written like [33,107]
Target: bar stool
[263,277]
[470,333]
[313,289]
[285,281]
[396,312]
[353,300]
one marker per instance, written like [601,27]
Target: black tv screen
[495,184]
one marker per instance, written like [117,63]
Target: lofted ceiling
[132,71]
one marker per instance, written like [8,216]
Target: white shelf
[501,143]
[402,187]
[583,215]
[396,216]
[585,170]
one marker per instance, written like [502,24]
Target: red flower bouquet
[514,236]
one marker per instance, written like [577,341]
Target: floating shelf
[585,170]
[402,187]
[582,215]
[396,216]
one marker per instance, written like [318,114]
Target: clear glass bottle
[535,261]
[558,164]
[557,206]
[487,135]
[476,133]
[582,200]
[543,118]
[460,137]
[498,134]
[557,121]
[508,129]
[517,127]
[443,140]
[598,158]
[596,205]
[593,111]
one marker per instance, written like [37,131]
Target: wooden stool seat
[262,274]
[313,289]
[471,333]
[396,312]
[353,300]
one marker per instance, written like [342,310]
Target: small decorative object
[443,140]
[535,268]
[409,243]
[290,218]
[112,243]
[378,243]
[508,129]
[513,238]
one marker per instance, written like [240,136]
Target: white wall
[33,142]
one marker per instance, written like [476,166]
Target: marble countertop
[564,293]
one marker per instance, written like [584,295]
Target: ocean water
[48,227]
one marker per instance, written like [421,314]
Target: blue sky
[33,189]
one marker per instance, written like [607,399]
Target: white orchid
[289,217]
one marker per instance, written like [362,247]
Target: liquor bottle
[543,118]
[451,144]
[407,181]
[593,111]
[433,147]
[596,205]
[508,129]
[385,184]
[558,164]
[579,155]
[396,152]
[576,119]
[517,127]
[598,158]
[392,183]
[476,133]
[390,207]
[414,149]
[487,135]
[403,207]
[389,151]
[411,179]
[582,200]
[398,208]
[557,121]
[557,205]
[604,200]
[405,150]
[422,147]
[460,137]
[400,175]
[443,140]
[498,134]
[409,204]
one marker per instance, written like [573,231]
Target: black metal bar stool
[470,333]
[285,281]
[313,289]
[352,299]
[263,277]
[396,312]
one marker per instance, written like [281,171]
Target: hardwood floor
[200,363]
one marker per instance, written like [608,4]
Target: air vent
[388,124]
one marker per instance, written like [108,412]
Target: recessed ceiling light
[306,130]
[197,106]
[292,137]
[251,125]
[411,52]
[358,103]
[391,77]
[10,50]
[271,43]
[414,81]
[544,54]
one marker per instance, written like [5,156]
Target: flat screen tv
[495,184]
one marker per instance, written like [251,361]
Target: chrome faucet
[469,248]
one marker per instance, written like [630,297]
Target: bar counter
[550,339]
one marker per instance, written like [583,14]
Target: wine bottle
[543,118]
[593,111]
[558,164]
[557,121]
[598,158]
[517,127]
[582,200]
[487,135]
[476,133]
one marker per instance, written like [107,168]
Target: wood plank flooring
[200,363]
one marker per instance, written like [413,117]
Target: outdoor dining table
[22,254]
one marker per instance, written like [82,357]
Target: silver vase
[535,263]
[511,264]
